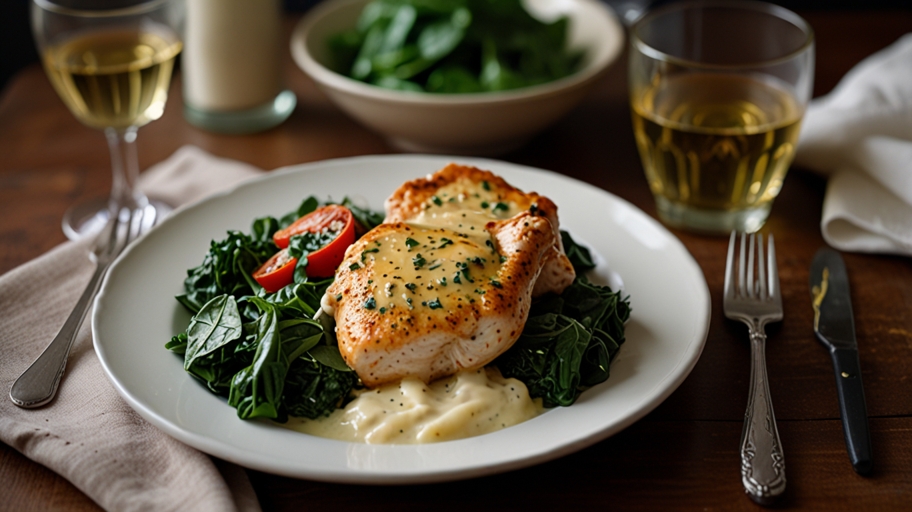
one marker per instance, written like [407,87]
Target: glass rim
[777,11]
[132,10]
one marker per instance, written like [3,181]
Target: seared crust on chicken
[412,199]
[409,199]
[428,301]
[446,283]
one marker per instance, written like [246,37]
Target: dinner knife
[835,328]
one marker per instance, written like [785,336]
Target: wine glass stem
[124,169]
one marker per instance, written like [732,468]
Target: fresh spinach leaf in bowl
[453,46]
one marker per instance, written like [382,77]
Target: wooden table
[684,455]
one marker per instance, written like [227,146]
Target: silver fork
[38,383]
[756,303]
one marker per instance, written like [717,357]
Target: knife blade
[835,328]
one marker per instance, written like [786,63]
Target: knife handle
[853,408]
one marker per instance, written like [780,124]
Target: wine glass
[110,61]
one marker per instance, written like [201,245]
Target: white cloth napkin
[88,434]
[860,135]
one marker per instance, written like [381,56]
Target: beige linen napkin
[88,434]
[860,135]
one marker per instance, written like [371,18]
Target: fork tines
[124,225]
[739,274]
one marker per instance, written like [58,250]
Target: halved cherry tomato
[277,272]
[332,217]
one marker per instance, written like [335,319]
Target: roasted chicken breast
[459,194]
[447,282]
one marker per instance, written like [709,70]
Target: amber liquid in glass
[113,78]
[715,142]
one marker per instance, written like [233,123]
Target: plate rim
[249,459]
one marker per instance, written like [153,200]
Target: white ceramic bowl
[478,123]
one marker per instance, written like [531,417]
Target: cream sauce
[465,206]
[430,268]
[448,257]
[467,404]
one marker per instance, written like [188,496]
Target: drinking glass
[110,61]
[718,90]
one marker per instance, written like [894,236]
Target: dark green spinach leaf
[368,218]
[256,391]
[580,257]
[452,46]
[313,389]
[228,266]
[210,343]
[264,351]
[568,342]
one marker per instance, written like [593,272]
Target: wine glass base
[87,219]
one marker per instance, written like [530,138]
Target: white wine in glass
[110,61]
[718,89]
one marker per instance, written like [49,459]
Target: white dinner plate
[136,313]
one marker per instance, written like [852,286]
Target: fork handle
[38,384]
[762,461]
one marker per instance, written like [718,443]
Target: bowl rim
[336,81]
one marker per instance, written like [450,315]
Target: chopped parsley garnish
[456,278]
[464,267]
[501,206]
[434,265]
[479,291]
[485,185]
[496,284]
[485,204]
[442,281]
[434,304]
[411,286]
[338,297]
[370,303]
[445,242]
[411,243]
[418,261]
[437,200]
[382,310]
[367,251]
[354,266]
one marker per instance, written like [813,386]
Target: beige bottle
[232,66]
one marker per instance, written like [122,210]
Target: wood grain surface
[682,456]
